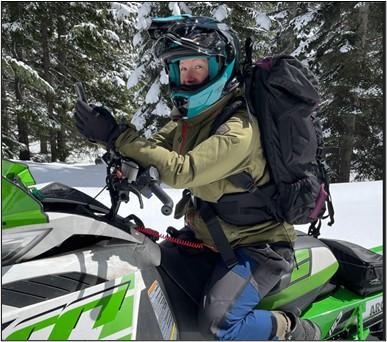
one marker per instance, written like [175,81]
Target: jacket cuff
[126,133]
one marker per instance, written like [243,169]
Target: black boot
[302,329]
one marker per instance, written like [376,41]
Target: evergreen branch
[28,75]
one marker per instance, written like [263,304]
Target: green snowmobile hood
[18,206]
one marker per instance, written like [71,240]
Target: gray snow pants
[228,307]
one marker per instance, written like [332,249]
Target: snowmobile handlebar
[167,208]
[125,176]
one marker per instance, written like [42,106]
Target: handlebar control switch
[153,173]
[130,170]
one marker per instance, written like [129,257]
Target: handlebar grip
[167,208]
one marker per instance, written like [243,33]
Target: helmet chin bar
[194,87]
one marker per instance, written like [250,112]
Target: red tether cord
[153,233]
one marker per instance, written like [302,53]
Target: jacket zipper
[184,132]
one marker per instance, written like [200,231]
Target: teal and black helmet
[183,37]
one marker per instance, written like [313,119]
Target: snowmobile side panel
[302,267]
[298,305]
[105,261]
[62,226]
[35,290]
[342,310]
[105,311]
[157,318]
[108,310]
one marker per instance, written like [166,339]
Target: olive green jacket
[188,157]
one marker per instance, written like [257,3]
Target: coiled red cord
[185,243]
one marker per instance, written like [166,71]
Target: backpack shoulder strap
[227,113]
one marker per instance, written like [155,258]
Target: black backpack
[283,96]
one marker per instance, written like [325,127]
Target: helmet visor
[198,42]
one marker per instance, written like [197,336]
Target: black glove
[97,124]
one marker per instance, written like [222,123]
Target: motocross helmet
[185,37]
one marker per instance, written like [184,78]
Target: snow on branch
[143,20]
[27,75]
[122,11]
[135,76]
[174,7]
[153,94]
[221,12]
[263,21]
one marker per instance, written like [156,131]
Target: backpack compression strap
[217,234]
[206,211]
[227,113]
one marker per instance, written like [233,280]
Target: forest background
[47,46]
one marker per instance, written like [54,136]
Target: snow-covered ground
[358,206]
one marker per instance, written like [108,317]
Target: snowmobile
[73,269]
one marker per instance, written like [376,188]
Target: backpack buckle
[251,187]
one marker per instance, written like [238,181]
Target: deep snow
[358,206]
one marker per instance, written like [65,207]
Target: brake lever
[137,193]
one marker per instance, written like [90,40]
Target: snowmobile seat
[303,241]
[190,269]
[306,249]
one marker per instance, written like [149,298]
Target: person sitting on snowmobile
[201,57]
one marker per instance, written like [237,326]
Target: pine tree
[335,39]
[47,46]
[59,44]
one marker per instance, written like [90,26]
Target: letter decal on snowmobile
[373,308]
[109,312]
[341,320]
[163,313]
[335,323]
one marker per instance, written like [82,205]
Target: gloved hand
[97,124]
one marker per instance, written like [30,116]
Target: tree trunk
[4,109]
[62,150]
[43,145]
[346,150]
[348,139]
[53,145]
[61,136]
[21,121]
[22,126]
[44,25]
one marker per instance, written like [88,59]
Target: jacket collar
[204,116]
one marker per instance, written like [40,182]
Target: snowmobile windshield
[18,206]
[10,170]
